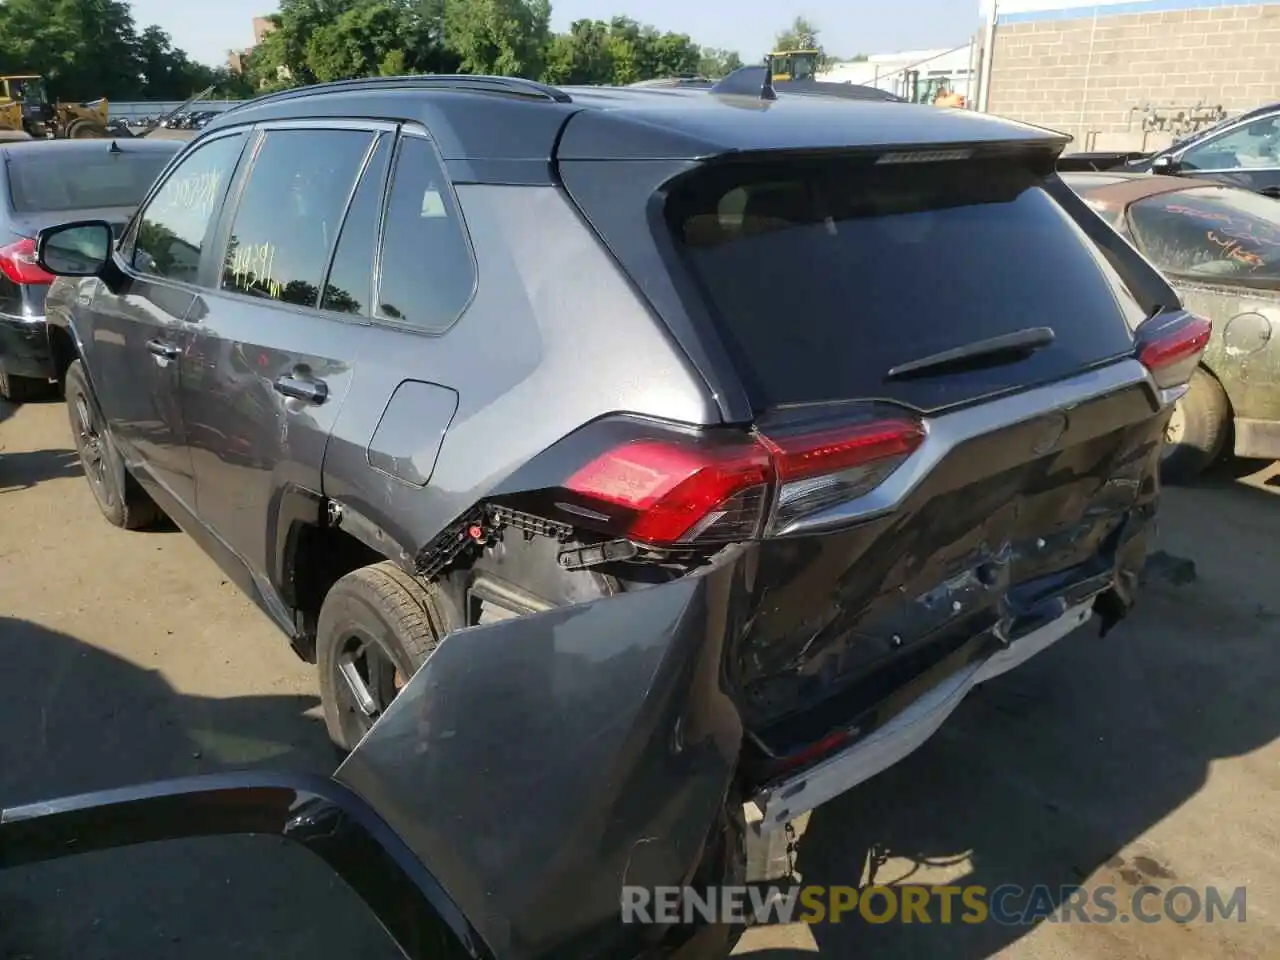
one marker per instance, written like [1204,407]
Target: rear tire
[122,501]
[1197,431]
[22,389]
[377,626]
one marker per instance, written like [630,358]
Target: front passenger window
[173,228]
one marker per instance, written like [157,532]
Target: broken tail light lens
[18,263]
[669,493]
[1170,346]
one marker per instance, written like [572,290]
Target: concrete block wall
[1089,71]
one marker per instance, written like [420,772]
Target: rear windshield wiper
[992,352]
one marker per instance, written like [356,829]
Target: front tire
[1197,430]
[377,626]
[123,503]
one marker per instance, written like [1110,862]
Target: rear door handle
[1273,192]
[310,391]
[158,348]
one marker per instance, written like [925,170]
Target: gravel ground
[1149,756]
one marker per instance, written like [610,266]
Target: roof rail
[480,83]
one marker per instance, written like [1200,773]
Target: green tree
[718,63]
[84,48]
[506,37]
[621,51]
[801,35]
[91,48]
[581,56]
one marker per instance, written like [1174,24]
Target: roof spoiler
[757,81]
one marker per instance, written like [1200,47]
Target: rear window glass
[1210,232]
[75,180]
[824,276]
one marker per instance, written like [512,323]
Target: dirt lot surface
[1147,757]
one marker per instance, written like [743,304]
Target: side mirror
[79,249]
[1166,165]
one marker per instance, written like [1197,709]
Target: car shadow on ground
[26,468]
[75,719]
[1049,774]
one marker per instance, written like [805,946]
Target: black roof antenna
[766,89]
[115,148]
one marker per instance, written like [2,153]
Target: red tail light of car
[673,492]
[18,263]
[1171,347]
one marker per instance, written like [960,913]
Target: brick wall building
[1116,74]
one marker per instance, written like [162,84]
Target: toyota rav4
[644,454]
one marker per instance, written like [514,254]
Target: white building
[914,74]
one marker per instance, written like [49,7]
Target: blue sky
[207,30]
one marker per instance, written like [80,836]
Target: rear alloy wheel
[1197,430]
[121,500]
[377,626]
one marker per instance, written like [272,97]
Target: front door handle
[310,391]
[158,348]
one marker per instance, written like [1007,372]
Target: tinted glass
[49,181]
[172,230]
[349,288]
[427,271]
[1210,232]
[826,275]
[290,212]
[1256,144]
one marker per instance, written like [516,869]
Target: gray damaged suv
[625,457]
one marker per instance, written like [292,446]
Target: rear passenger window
[349,288]
[170,234]
[427,271]
[290,211]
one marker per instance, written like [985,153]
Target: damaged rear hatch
[942,354]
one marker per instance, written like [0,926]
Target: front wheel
[122,502]
[377,626]
[1197,430]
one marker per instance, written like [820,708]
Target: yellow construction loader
[25,107]
[795,64]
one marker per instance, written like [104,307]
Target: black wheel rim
[92,447]
[366,679]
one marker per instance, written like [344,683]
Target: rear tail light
[18,263]
[819,469]
[1170,346]
[669,492]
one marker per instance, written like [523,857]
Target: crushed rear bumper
[904,733]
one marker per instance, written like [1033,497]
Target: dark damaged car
[622,457]
[1219,246]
